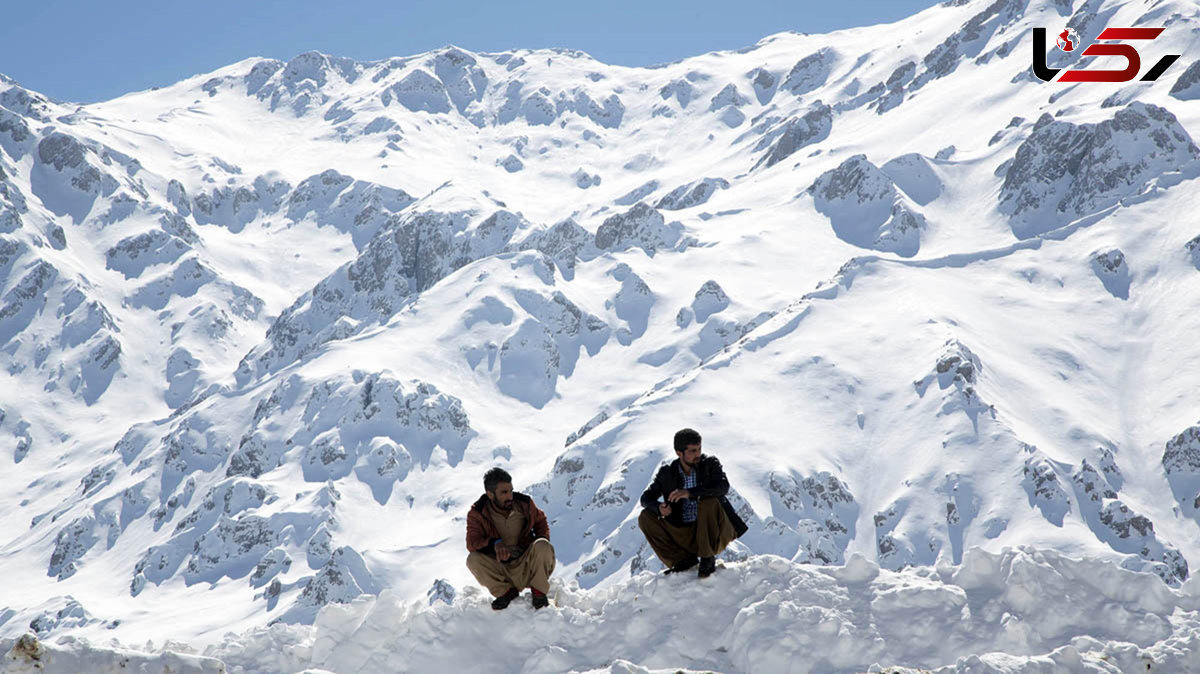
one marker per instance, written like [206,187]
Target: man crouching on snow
[509,541]
[693,518]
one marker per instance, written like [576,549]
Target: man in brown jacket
[509,543]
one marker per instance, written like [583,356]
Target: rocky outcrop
[795,133]
[565,242]
[1186,87]
[1118,525]
[355,206]
[419,91]
[25,299]
[1064,171]
[866,209]
[235,206]
[709,299]
[727,103]
[817,512]
[968,41]
[412,254]
[810,72]
[464,80]
[641,226]
[691,194]
[1181,461]
[1112,269]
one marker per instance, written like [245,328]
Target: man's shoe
[682,566]
[540,600]
[707,566]
[500,603]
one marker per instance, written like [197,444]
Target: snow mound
[916,176]
[28,655]
[1018,610]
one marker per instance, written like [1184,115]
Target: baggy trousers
[531,569]
[707,537]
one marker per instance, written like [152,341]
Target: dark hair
[685,437]
[494,477]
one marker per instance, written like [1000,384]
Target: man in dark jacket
[509,543]
[693,517]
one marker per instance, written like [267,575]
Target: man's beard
[501,506]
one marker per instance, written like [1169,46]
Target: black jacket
[710,483]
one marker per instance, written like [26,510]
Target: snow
[264,330]
[765,614]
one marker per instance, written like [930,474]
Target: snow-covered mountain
[264,330]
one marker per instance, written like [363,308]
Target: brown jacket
[481,531]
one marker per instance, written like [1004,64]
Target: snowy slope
[266,328]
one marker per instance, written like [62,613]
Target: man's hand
[664,509]
[679,495]
[502,552]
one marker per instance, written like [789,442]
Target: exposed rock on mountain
[641,226]
[1193,250]
[1112,269]
[355,206]
[728,102]
[710,299]
[970,40]
[1181,461]
[810,72]
[565,242]
[1045,487]
[1186,87]
[786,138]
[691,194]
[236,207]
[631,304]
[408,256]
[1125,530]
[1064,171]
[821,511]
[866,209]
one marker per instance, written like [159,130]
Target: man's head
[498,485]
[687,446]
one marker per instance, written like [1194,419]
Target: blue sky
[90,50]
